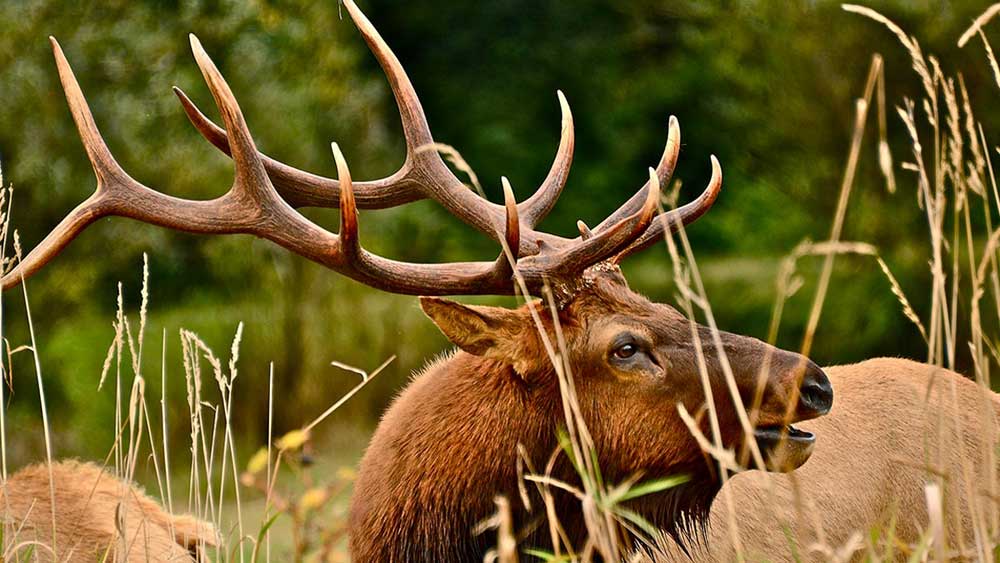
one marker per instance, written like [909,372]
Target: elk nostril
[816,393]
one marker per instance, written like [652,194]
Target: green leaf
[652,486]
[792,544]
[547,556]
[921,549]
[566,444]
[643,524]
[597,470]
[260,534]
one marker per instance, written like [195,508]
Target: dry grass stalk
[455,158]
[861,117]
[966,178]
[45,413]
[978,24]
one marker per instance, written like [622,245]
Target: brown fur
[891,418]
[449,442]
[88,505]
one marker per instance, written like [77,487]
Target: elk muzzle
[815,392]
[779,389]
[782,446]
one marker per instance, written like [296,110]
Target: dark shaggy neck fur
[448,445]
[681,512]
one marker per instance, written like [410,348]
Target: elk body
[896,427]
[98,517]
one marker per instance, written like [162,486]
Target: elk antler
[265,194]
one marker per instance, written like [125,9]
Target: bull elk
[98,517]
[449,442]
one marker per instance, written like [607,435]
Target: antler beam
[265,194]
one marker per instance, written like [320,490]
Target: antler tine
[605,244]
[117,193]
[671,221]
[106,169]
[209,130]
[664,170]
[423,174]
[438,182]
[301,186]
[250,175]
[512,232]
[510,238]
[349,242]
[304,189]
[415,127]
[104,165]
[536,207]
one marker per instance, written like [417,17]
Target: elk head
[633,361]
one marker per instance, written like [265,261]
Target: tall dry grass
[953,181]
[217,480]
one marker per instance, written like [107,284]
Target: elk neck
[449,445]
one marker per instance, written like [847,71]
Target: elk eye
[626,351]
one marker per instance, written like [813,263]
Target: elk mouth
[784,448]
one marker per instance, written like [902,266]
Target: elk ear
[492,332]
[479,330]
